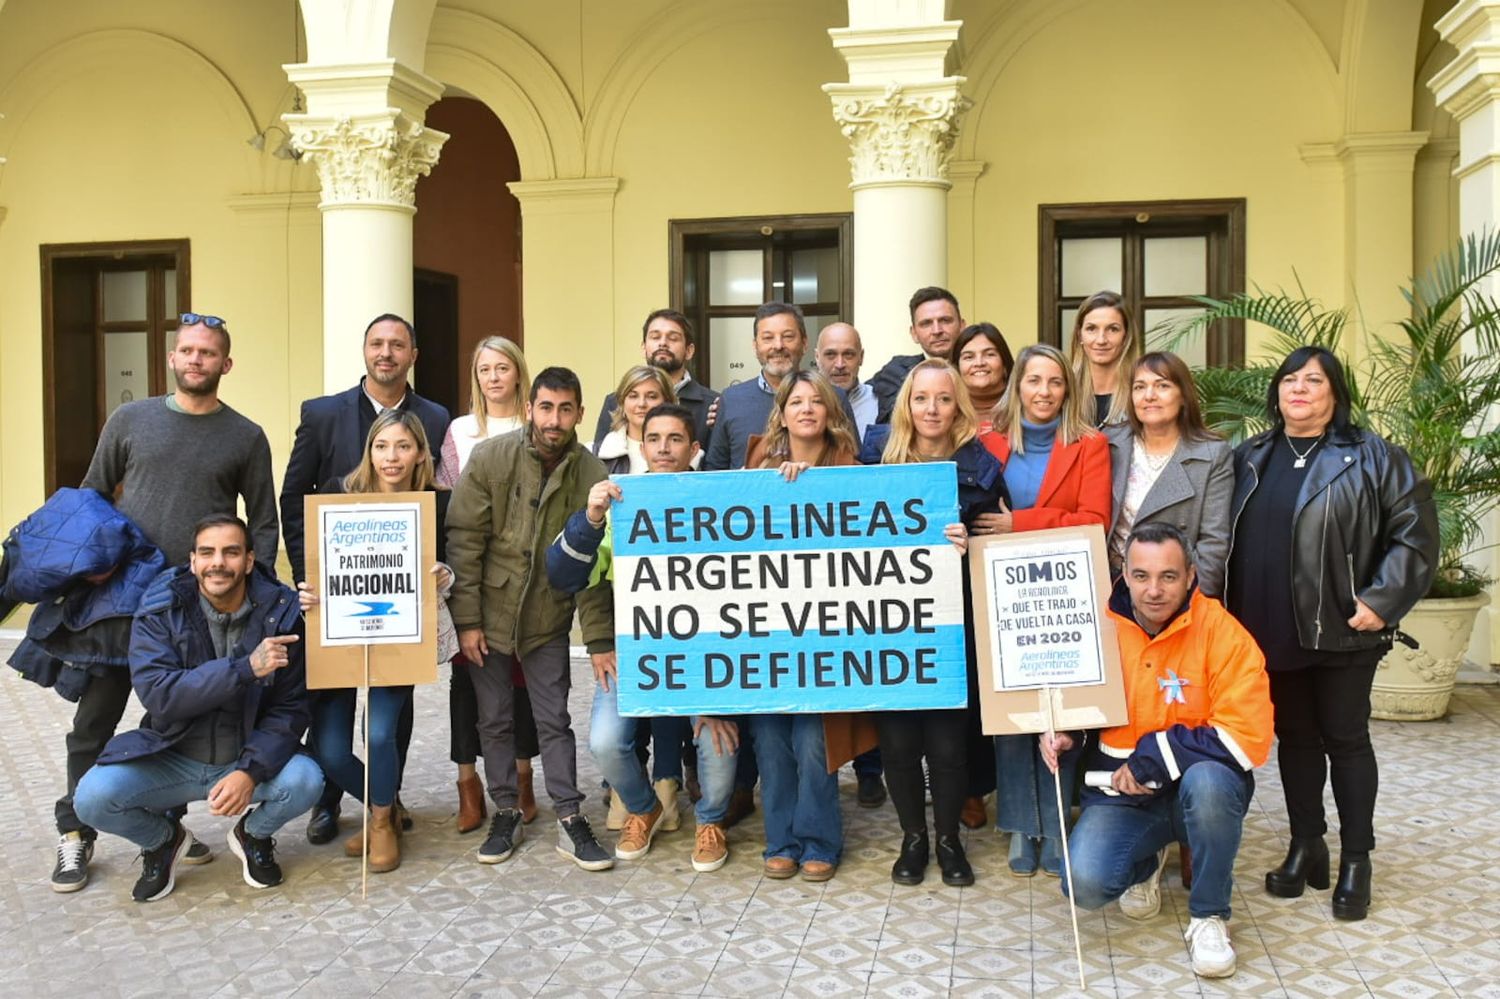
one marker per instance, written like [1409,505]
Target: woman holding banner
[1057,472]
[933,420]
[799,797]
[396,460]
[1169,467]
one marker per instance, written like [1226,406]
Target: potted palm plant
[1433,389]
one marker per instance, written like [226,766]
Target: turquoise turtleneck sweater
[1024,471]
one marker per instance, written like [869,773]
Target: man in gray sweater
[179,458]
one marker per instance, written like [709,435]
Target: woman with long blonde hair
[1102,355]
[498,381]
[933,420]
[811,429]
[1057,472]
[396,459]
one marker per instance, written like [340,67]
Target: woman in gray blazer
[1167,466]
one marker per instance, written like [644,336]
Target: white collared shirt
[862,400]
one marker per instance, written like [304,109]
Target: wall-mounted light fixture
[283,149]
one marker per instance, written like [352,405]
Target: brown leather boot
[471,807]
[526,799]
[385,845]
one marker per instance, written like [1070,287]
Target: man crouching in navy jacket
[221,724]
[1180,767]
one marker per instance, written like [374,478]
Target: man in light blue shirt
[840,353]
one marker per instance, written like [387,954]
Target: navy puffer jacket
[75,534]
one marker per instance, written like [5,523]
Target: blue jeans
[130,799]
[333,741]
[1025,794]
[799,797]
[716,775]
[612,740]
[1114,846]
[867,764]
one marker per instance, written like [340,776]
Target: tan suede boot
[354,846]
[385,845]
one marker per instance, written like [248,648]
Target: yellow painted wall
[115,133]
[129,122]
[758,142]
[1101,104]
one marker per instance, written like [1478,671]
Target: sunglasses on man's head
[193,319]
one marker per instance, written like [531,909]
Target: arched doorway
[466,248]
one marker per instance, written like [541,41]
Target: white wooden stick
[1062,825]
[364,861]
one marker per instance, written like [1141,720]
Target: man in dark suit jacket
[330,442]
[667,343]
[330,438]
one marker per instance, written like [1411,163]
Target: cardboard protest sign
[836,592]
[370,557]
[1041,622]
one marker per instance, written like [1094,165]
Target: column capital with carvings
[369,159]
[1472,80]
[899,133]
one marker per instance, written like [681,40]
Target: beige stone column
[363,132]
[568,244]
[1469,89]
[1379,169]
[964,175]
[900,113]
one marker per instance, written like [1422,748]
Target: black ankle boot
[911,867]
[1351,896]
[953,863]
[1306,864]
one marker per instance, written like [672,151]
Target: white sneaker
[1209,947]
[1143,900]
[666,793]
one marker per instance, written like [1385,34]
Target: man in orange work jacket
[1180,769]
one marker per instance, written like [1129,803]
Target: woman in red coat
[1057,472]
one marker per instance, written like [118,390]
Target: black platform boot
[953,863]
[911,867]
[1306,864]
[1351,896]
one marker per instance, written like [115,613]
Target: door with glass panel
[109,313]
[1159,255]
[724,269]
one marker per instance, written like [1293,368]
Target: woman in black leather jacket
[1335,538]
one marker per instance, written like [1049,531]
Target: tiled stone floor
[444,925]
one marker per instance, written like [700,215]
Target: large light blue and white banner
[742,593]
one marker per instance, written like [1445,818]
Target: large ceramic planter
[1415,684]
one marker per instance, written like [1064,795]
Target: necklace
[1301,461]
[1154,462]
